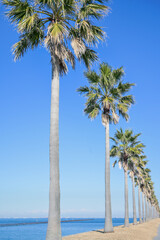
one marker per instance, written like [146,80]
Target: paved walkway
[158,236]
[144,231]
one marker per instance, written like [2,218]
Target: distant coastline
[32,223]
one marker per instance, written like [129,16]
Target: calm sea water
[38,232]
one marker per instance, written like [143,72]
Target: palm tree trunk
[139,204]
[146,208]
[153,212]
[149,210]
[134,201]
[54,226]
[108,227]
[143,207]
[126,223]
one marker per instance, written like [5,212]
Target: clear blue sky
[133,29]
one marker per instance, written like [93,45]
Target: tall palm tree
[144,174]
[132,169]
[147,179]
[126,147]
[137,181]
[133,196]
[155,206]
[151,202]
[150,192]
[143,195]
[106,93]
[140,165]
[66,29]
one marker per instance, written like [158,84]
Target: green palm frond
[114,164]
[95,9]
[114,151]
[114,140]
[20,47]
[128,100]
[92,109]
[125,87]
[18,10]
[28,23]
[122,107]
[124,115]
[118,74]
[57,29]
[49,3]
[92,77]
[95,34]
[89,57]
[83,90]
[28,40]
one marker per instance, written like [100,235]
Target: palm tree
[126,148]
[132,168]
[143,200]
[151,202]
[140,164]
[143,207]
[148,190]
[137,181]
[57,24]
[149,195]
[106,93]
[142,174]
[147,179]
[155,206]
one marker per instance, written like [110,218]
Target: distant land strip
[32,223]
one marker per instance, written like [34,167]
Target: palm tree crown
[57,23]
[139,171]
[106,92]
[126,147]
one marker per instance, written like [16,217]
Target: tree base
[126,225]
[109,231]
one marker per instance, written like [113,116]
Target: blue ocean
[38,231]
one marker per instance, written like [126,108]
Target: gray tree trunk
[126,223]
[134,201]
[108,227]
[143,207]
[54,226]
[149,210]
[139,204]
[146,208]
